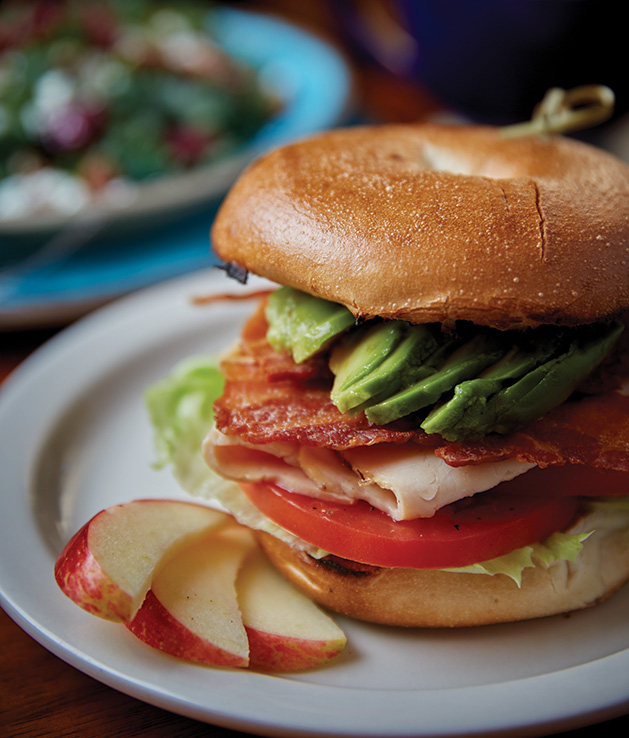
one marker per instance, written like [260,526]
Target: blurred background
[123,122]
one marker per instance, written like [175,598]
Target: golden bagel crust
[438,223]
[440,599]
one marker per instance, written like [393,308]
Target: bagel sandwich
[427,420]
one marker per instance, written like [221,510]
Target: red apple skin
[81,578]
[156,627]
[273,652]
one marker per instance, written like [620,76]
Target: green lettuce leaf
[559,546]
[603,514]
[614,507]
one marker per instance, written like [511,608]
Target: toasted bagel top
[438,223]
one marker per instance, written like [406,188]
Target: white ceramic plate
[75,439]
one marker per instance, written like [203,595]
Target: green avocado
[402,365]
[467,361]
[467,412]
[303,324]
[359,353]
[523,386]
[554,381]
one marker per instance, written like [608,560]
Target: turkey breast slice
[405,481]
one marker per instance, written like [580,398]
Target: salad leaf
[604,514]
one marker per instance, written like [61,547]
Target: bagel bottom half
[442,599]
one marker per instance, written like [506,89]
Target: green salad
[95,93]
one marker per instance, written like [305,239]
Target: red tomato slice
[469,531]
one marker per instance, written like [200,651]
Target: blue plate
[79,269]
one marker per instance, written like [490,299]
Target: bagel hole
[440,160]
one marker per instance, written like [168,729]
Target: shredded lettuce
[180,408]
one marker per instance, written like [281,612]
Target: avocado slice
[303,324]
[402,366]
[467,361]
[467,414]
[523,386]
[553,382]
[478,382]
[362,350]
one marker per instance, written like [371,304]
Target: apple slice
[192,610]
[107,566]
[286,630]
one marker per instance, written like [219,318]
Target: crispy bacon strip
[266,365]
[262,412]
[269,398]
[592,430]
[254,360]
[222,297]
